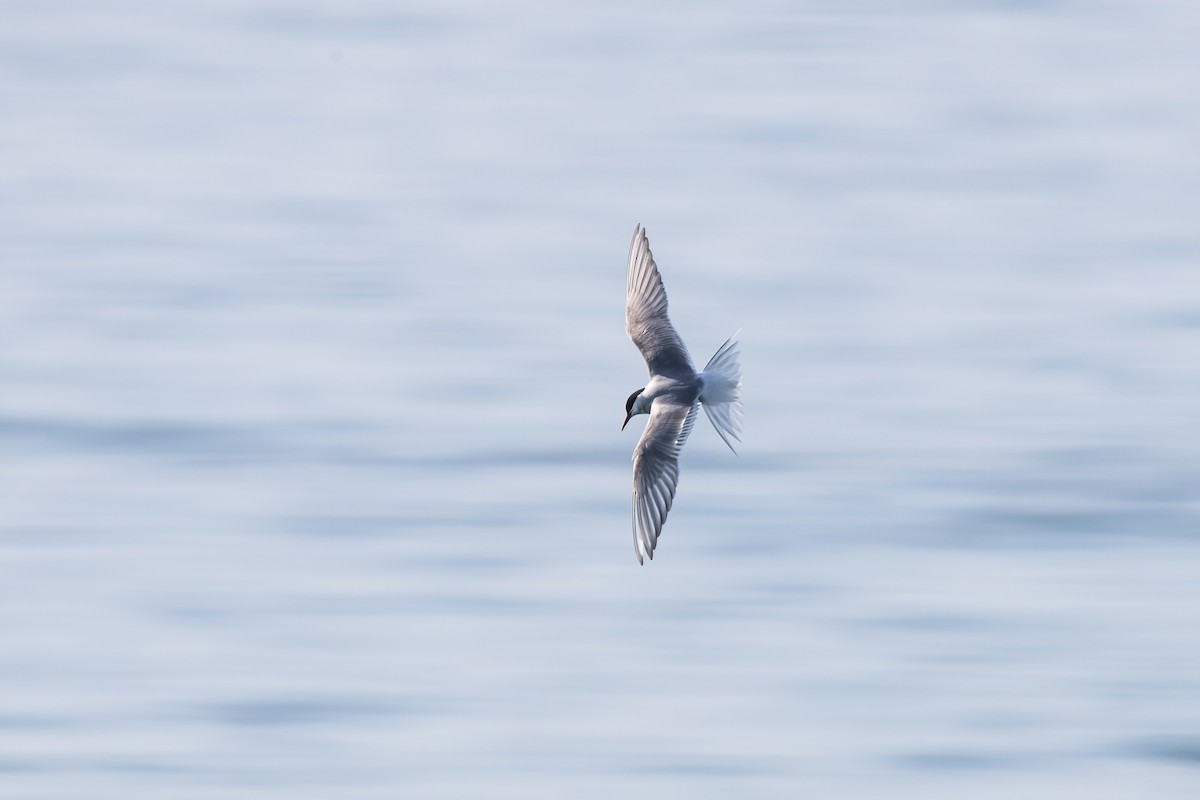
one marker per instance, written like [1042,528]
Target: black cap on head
[629,407]
[632,397]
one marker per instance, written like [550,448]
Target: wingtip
[638,231]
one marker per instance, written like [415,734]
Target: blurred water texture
[312,365]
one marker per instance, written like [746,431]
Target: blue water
[312,365]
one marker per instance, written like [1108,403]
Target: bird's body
[672,396]
[682,390]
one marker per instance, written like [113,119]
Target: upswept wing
[656,471]
[646,317]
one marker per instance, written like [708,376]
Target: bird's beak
[626,422]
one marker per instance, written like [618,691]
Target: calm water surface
[312,365]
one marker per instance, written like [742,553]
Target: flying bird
[673,395]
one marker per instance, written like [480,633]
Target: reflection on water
[313,369]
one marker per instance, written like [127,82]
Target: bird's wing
[656,470]
[646,314]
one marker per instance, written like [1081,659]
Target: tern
[672,396]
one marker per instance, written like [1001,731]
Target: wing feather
[656,471]
[646,318]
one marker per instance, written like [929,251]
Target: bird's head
[636,404]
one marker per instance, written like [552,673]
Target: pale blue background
[312,365]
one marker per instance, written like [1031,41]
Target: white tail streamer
[722,392]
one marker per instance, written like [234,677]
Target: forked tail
[722,392]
